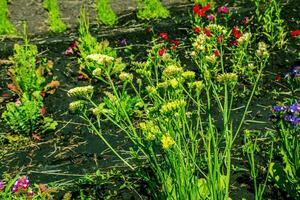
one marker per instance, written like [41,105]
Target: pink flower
[18,103]
[211,17]
[42,110]
[1,185]
[225,9]
[30,193]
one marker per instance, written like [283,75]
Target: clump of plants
[106,14]
[270,22]
[6,27]
[170,113]
[56,24]
[26,115]
[20,188]
[151,9]
[93,53]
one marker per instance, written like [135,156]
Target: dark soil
[71,151]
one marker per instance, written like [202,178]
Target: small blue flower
[293,119]
[278,108]
[295,107]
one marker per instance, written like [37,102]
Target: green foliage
[24,117]
[268,16]
[106,15]
[26,76]
[151,9]
[6,27]
[56,24]
[94,55]
[286,174]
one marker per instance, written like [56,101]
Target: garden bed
[71,152]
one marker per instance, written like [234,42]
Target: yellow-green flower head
[101,58]
[151,90]
[76,105]
[262,50]
[150,130]
[174,83]
[199,43]
[232,77]
[167,142]
[164,85]
[125,76]
[212,58]
[172,106]
[198,85]
[215,28]
[98,110]
[244,38]
[188,74]
[172,70]
[97,72]
[111,97]
[81,91]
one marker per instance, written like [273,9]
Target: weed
[56,24]
[6,27]
[151,9]
[106,15]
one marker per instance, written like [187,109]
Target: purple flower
[278,108]
[15,189]
[295,107]
[1,185]
[293,119]
[124,42]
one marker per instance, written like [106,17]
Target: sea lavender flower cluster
[22,183]
[290,113]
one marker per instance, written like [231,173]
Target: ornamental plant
[56,24]
[285,172]
[26,115]
[6,27]
[169,113]
[21,189]
[93,53]
[106,14]
[151,9]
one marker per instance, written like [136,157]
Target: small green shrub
[56,24]
[6,27]
[25,116]
[106,15]
[151,9]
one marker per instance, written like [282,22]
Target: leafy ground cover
[159,110]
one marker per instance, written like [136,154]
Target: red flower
[176,42]
[206,7]
[295,33]
[174,48]
[161,52]
[220,38]
[201,12]
[278,78]
[197,29]
[236,32]
[196,8]
[217,53]
[42,110]
[164,35]
[207,32]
